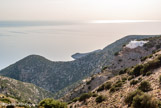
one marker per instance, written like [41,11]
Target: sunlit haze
[80,9]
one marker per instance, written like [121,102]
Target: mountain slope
[125,58]
[123,87]
[55,76]
[25,92]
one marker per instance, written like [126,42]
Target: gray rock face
[55,76]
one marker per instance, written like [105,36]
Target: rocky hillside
[123,59]
[11,102]
[80,55]
[55,76]
[137,87]
[24,92]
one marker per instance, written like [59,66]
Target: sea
[58,40]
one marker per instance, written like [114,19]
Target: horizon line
[121,21]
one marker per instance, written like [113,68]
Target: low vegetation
[138,99]
[144,69]
[84,97]
[144,86]
[105,86]
[51,103]
[100,99]
[160,79]
[5,100]
[116,86]
[134,82]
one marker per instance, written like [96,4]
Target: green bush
[148,73]
[116,53]
[130,78]
[134,82]
[118,83]
[107,85]
[157,46]
[94,94]
[144,101]
[160,79]
[5,100]
[101,88]
[140,79]
[113,89]
[144,58]
[122,72]
[104,68]
[84,96]
[145,69]
[137,70]
[144,86]
[75,99]
[116,86]
[88,82]
[89,87]
[100,98]
[12,106]
[123,79]
[154,64]
[129,98]
[51,103]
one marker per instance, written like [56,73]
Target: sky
[80,10]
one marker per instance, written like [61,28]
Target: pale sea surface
[57,41]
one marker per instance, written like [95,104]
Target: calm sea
[57,41]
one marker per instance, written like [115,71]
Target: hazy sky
[80,9]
